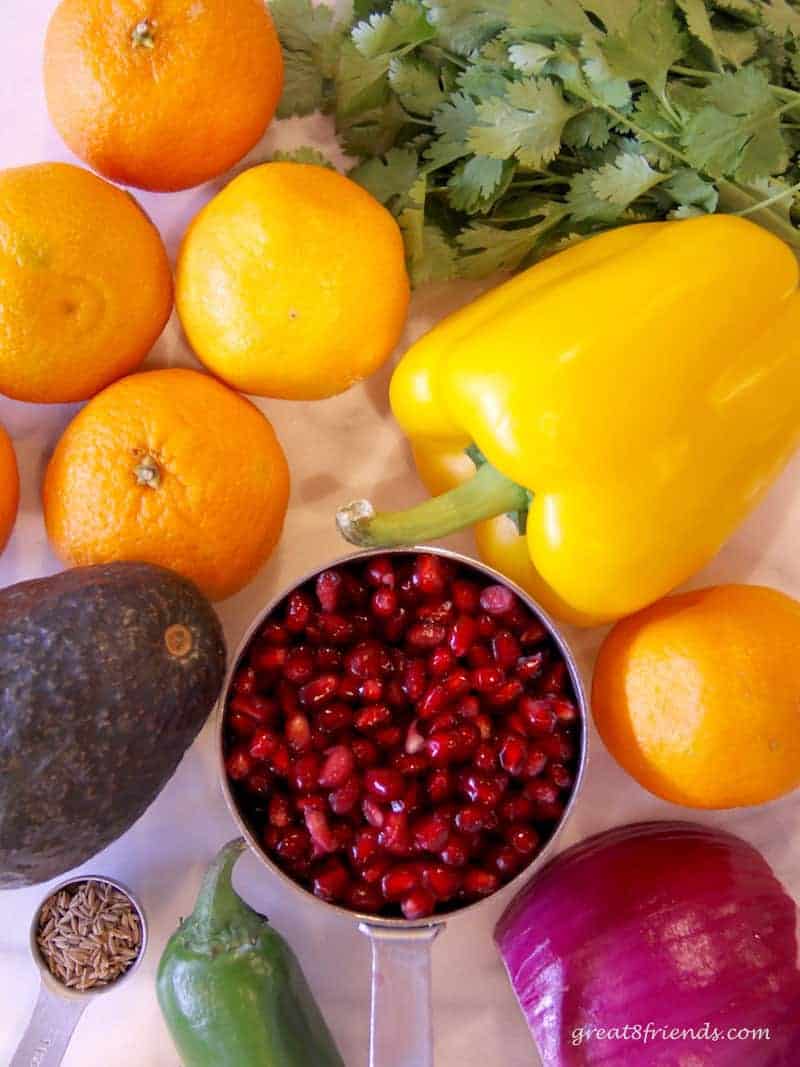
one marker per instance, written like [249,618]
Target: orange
[162,94]
[85,283]
[9,488]
[292,282]
[698,696]
[169,467]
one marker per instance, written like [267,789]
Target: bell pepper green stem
[219,906]
[485,495]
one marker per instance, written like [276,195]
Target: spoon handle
[45,1041]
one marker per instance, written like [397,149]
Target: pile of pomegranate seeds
[402,735]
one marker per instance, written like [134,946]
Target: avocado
[107,674]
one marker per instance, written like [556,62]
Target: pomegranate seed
[485,757]
[388,737]
[487,627]
[328,659]
[299,666]
[410,764]
[371,690]
[318,692]
[440,785]
[305,773]
[466,596]
[482,790]
[365,846]
[337,629]
[415,742]
[298,611]
[541,791]
[322,837]
[472,818]
[479,656]
[373,871]
[259,782]
[344,834]
[384,602]
[484,725]
[293,844]
[395,697]
[523,839]
[271,836]
[400,880]
[354,592]
[549,812]
[442,881]
[414,679]
[456,851]
[263,744]
[425,635]
[362,626]
[505,648]
[313,630]
[445,720]
[280,811]
[533,634]
[373,812]
[462,635]
[298,733]
[484,679]
[372,717]
[238,764]
[559,775]
[539,715]
[456,684]
[384,783]
[395,836]
[513,755]
[469,707]
[565,710]
[413,798]
[504,860]
[242,725]
[496,599]
[445,748]
[518,808]
[428,575]
[333,718]
[432,702]
[348,688]
[480,883]
[260,709]
[557,747]
[554,682]
[339,764]
[418,904]
[507,693]
[245,681]
[310,802]
[331,882]
[530,667]
[469,736]
[365,898]
[395,626]
[365,752]
[535,764]
[344,799]
[287,698]
[329,590]
[280,761]
[379,571]
[441,612]
[366,660]
[440,662]
[431,832]
[273,633]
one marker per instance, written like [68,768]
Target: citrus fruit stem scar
[142,35]
[148,472]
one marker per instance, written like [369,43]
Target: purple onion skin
[670,923]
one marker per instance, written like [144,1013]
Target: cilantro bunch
[498,131]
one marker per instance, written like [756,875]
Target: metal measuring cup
[59,1008]
[401,1017]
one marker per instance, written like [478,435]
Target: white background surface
[337,449]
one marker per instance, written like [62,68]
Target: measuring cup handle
[401,1023]
[45,1041]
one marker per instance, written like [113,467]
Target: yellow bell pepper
[637,393]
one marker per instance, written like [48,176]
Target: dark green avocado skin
[95,712]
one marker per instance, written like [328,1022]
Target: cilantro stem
[707,75]
[774,199]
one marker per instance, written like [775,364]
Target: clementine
[169,467]
[698,696]
[292,282]
[162,94]
[85,283]
[9,488]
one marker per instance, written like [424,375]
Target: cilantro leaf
[463,26]
[698,23]
[304,154]
[614,14]
[737,130]
[452,122]
[527,123]
[550,18]
[736,46]
[602,195]
[590,129]
[687,188]
[475,185]
[780,18]
[404,26]
[607,88]
[530,58]
[310,40]
[438,261]
[488,249]
[417,84]
[648,47]
[388,176]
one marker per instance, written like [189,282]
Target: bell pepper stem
[487,494]
[218,905]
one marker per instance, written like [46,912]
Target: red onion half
[671,924]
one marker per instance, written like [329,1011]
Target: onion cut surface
[671,924]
